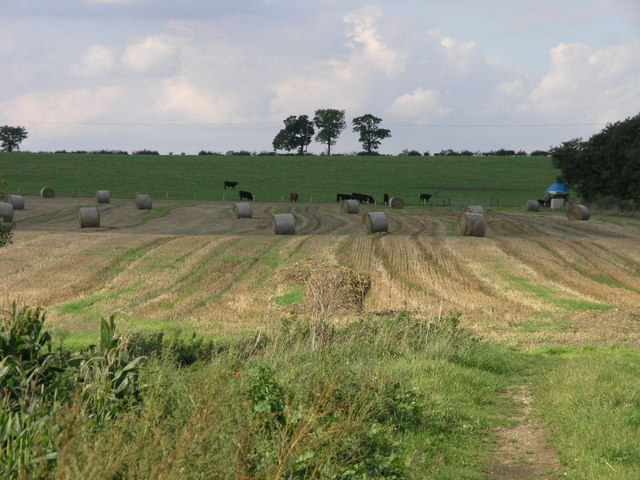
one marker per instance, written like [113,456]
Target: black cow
[343,196]
[230,184]
[245,195]
[363,198]
[385,199]
[424,197]
[293,197]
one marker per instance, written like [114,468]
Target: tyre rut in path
[522,451]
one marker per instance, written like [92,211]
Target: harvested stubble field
[535,279]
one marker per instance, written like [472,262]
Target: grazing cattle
[230,184]
[245,195]
[363,198]
[343,196]
[385,199]
[424,197]
[293,197]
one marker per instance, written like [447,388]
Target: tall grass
[592,403]
[391,397]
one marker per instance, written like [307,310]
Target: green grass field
[510,180]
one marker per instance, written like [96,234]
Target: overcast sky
[191,75]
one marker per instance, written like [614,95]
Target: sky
[219,75]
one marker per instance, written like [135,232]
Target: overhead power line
[242,124]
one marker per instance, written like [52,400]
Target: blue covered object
[558,188]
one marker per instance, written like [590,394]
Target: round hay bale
[375,222]
[17,201]
[531,206]
[396,202]
[471,224]
[47,192]
[556,203]
[103,196]
[6,211]
[474,209]
[89,217]
[350,206]
[242,210]
[143,202]
[578,212]
[283,224]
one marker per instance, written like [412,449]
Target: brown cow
[293,197]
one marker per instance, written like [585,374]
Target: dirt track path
[522,451]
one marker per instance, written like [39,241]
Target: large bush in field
[608,164]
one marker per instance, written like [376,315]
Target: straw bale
[89,217]
[531,206]
[396,202]
[242,210]
[283,224]
[578,212]
[472,224]
[47,192]
[350,206]
[474,209]
[334,288]
[375,222]
[17,201]
[103,196]
[6,211]
[143,202]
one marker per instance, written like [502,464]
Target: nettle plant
[36,381]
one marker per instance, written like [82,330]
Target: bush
[146,152]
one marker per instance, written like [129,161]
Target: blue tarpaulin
[558,188]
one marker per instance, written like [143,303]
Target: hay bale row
[6,211]
[578,212]
[474,209]
[350,206]
[143,202]
[17,201]
[531,206]
[103,196]
[283,224]
[472,224]
[89,217]
[242,210]
[396,202]
[375,222]
[47,192]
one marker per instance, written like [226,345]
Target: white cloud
[594,84]
[179,95]
[419,104]
[110,1]
[375,50]
[513,88]
[153,54]
[64,106]
[97,61]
